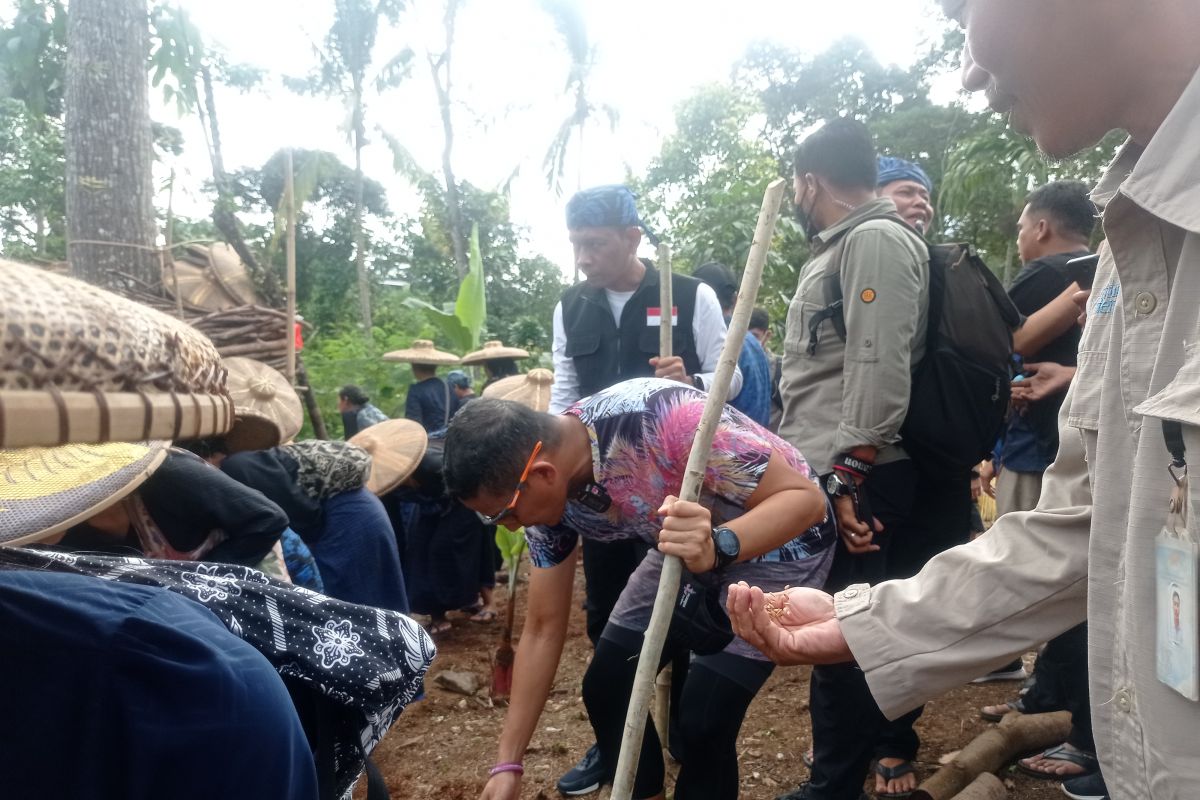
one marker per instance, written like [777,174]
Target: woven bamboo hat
[494,349]
[48,489]
[422,352]
[396,447]
[267,407]
[212,277]
[531,389]
[82,365]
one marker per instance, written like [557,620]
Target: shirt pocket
[648,341]
[579,346]
[809,300]
[1179,401]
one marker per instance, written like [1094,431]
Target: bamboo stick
[662,683]
[290,191]
[668,584]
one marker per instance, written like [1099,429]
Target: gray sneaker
[585,777]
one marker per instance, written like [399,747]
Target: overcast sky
[510,71]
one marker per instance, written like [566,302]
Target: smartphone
[1083,270]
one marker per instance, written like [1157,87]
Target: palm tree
[568,19]
[345,63]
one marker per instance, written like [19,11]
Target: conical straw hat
[396,447]
[494,349]
[422,352]
[212,278]
[267,407]
[82,365]
[531,389]
[49,489]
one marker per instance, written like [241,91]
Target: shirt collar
[1164,177]
[880,205]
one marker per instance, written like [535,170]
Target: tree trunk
[360,256]
[310,400]
[440,68]
[110,193]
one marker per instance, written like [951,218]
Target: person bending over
[609,468]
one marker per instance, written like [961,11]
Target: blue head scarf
[897,169]
[610,206]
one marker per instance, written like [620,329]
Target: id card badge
[1177,563]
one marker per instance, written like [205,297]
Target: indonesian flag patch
[654,317]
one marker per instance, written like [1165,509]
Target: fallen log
[1016,735]
[986,787]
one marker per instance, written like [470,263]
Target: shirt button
[850,593]
[1145,302]
[1124,700]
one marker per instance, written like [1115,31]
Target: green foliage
[32,184]
[471,305]
[512,545]
[33,57]
[704,190]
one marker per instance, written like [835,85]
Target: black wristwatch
[836,485]
[727,546]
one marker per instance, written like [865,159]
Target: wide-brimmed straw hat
[82,365]
[494,349]
[396,447]
[212,277]
[422,352]
[531,389]
[48,489]
[267,408]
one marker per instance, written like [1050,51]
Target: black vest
[605,353]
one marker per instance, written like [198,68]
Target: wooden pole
[168,252]
[289,189]
[662,682]
[693,480]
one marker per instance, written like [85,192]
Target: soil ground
[443,746]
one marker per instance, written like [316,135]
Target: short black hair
[842,152]
[759,320]
[353,394]
[501,367]
[721,279]
[1070,203]
[488,444]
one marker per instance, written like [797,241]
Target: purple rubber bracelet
[509,767]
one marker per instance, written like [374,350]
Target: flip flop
[890,774]
[485,615]
[1061,752]
[806,758]
[1014,705]
[441,626]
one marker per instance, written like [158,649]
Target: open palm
[795,626]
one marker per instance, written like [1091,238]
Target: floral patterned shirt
[641,432]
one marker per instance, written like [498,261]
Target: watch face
[727,543]
[833,486]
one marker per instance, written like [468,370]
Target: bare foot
[900,784]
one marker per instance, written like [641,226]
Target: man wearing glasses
[1066,72]
[608,470]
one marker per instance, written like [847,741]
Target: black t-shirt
[1040,282]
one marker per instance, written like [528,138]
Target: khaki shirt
[1088,549]
[855,392]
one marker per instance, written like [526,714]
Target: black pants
[1060,681]
[922,514]
[714,698]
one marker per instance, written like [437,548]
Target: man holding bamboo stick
[606,330]
[608,470]
[1116,510]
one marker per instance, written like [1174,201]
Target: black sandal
[890,774]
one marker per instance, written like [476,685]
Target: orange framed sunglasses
[512,505]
